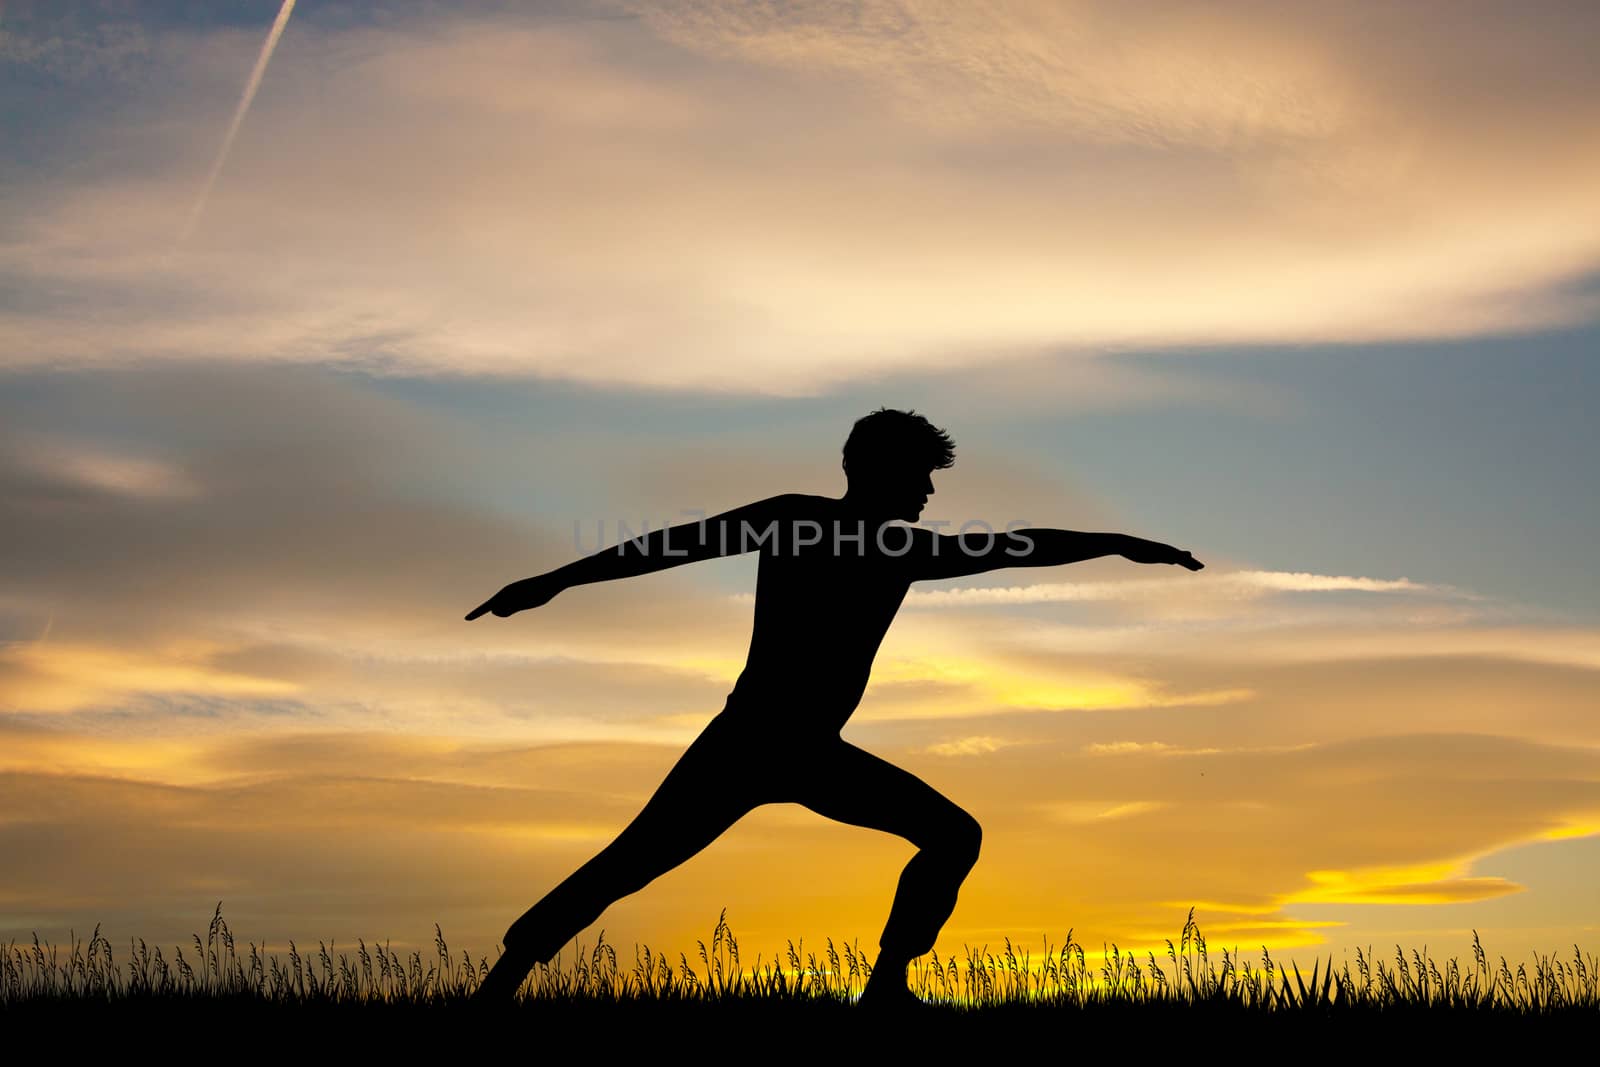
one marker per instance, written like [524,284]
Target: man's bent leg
[690,809]
[863,790]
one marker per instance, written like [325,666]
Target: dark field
[801,1005]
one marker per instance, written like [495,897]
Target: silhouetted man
[832,575]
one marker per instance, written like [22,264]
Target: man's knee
[967,837]
[957,838]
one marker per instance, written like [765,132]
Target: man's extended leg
[695,803]
[857,787]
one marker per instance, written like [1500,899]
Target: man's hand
[1141,551]
[519,596]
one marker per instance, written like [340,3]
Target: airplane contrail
[238,116]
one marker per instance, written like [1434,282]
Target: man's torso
[824,600]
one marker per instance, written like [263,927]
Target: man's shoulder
[786,510]
[802,505]
[780,505]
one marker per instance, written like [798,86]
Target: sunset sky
[312,338]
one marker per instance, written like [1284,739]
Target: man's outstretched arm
[953,555]
[729,533]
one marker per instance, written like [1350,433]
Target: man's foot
[504,979]
[887,991]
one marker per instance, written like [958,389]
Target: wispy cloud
[1433,883]
[1181,79]
[73,464]
[252,84]
[63,676]
[1124,748]
[977,745]
[1297,581]
[1101,811]
[981,185]
[1228,586]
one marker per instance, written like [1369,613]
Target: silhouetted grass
[1012,987]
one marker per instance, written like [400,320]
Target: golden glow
[1435,883]
[964,686]
[170,760]
[977,745]
[1086,812]
[1568,831]
[893,192]
[57,676]
[1213,907]
[537,832]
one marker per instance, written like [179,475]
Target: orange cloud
[61,676]
[1426,884]
[1118,849]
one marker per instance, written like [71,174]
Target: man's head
[888,459]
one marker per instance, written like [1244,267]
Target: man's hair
[887,436]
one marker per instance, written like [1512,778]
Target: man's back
[827,588]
